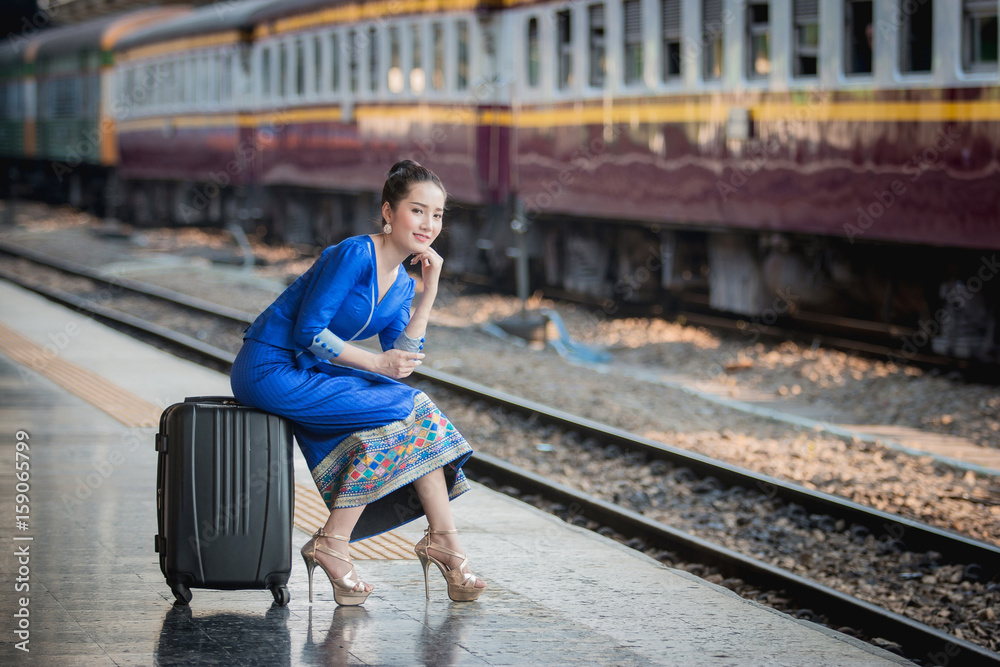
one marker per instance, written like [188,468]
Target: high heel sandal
[343,587]
[461,585]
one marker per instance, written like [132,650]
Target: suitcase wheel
[281,595]
[182,593]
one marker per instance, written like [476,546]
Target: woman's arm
[400,363]
[430,269]
[391,363]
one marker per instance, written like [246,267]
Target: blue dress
[365,436]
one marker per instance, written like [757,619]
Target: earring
[387,228]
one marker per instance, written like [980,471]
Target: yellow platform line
[133,411]
[311,513]
[106,396]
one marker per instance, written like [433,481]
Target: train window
[437,43]
[180,67]
[12,109]
[598,65]
[805,36]
[373,59]
[564,49]
[712,34]
[417,76]
[226,78]
[265,73]
[859,36]
[204,84]
[462,71]
[916,43]
[979,35]
[128,88]
[283,70]
[632,9]
[395,75]
[298,64]
[671,17]
[177,81]
[65,97]
[93,95]
[161,76]
[534,64]
[317,60]
[191,82]
[334,62]
[758,40]
[217,76]
[352,59]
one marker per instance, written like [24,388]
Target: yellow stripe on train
[540,117]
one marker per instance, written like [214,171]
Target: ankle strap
[429,531]
[320,533]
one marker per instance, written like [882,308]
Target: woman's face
[416,222]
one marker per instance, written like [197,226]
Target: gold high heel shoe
[343,587]
[461,585]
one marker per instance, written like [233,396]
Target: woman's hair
[403,176]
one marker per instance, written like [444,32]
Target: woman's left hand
[430,266]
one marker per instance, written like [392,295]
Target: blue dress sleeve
[338,269]
[392,336]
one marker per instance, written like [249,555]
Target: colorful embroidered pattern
[371,464]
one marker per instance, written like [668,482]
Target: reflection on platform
[189,637]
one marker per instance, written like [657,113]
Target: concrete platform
[558,595]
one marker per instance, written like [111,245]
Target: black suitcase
[224,497]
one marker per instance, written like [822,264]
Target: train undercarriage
[940,301]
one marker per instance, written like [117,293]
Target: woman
[381,453]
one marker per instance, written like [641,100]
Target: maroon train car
[739,155]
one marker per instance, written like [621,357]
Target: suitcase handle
[224,400]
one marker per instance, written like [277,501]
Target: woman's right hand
[397,364]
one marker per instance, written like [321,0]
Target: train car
[837,155]
[59,126]
[734,153]
[14,88]
[359,85]
[318,98]
[189,137]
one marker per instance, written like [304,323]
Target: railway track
[919,641]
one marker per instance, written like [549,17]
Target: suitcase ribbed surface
[231,472]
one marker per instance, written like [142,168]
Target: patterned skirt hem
[344,502]
[373,464]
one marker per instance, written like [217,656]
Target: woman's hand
[430,267]
[398,364]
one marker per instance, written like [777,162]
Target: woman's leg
[341,522]
[433,492]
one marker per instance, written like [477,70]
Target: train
[761,158]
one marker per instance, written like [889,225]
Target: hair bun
[402,166]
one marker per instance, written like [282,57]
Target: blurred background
[833,161]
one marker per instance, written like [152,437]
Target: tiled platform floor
[558,595]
